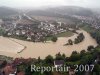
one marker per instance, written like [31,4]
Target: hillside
[63,10]
[72,10]
[6,11]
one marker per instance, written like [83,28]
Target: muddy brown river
[34,50]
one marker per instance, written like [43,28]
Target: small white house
[29,38]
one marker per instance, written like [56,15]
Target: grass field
[87,28]
[63,34]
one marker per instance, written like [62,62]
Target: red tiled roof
[8,70]
[21,73]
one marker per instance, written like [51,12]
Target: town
[27,28]
[50,37]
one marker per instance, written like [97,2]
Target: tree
[33,38]
[70,42]
[54,39]
[60,56]
[97,69]
[79,38]
[43,39]
[76,41]
[96,35]
[63,56]
[49,59]
[74,52]
[82,53]
[2,31]
[87,59]
[74,56]
[39,59]
[90,48]
[3,64]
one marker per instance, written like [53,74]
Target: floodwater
[34,50]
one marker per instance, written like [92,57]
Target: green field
[65,34]
[87,28]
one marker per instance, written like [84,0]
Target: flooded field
[8,45]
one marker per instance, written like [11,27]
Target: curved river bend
[34,50]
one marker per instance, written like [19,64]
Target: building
[58,63]
[71,72]
[9,70]
[26,23]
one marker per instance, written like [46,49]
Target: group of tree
[79,38]
[84,57]
[54,39]
[2,31]
[96,35]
